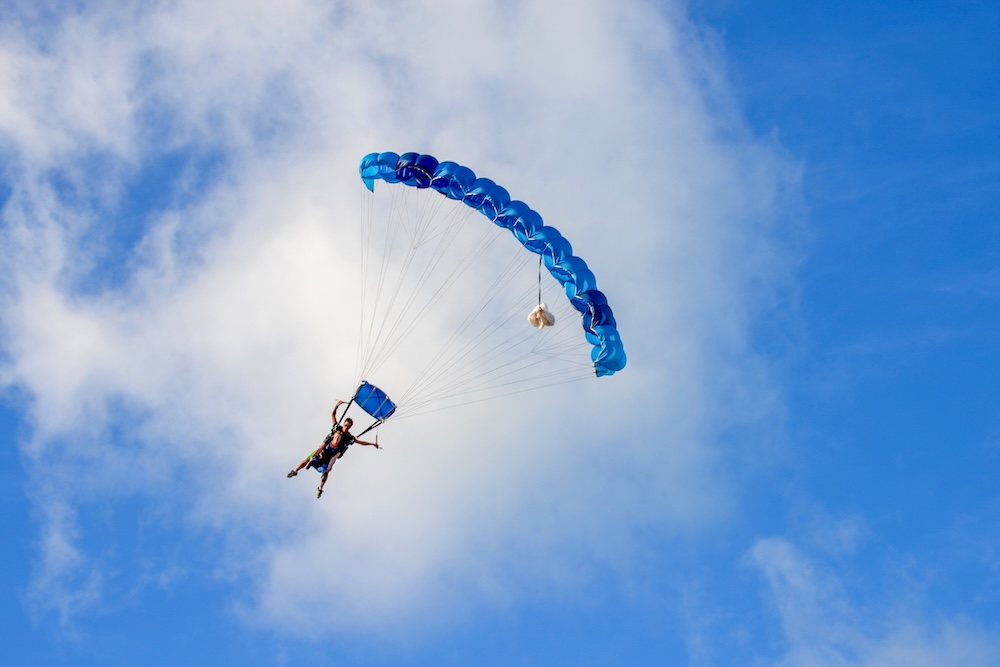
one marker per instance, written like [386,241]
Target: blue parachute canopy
[373,400]
[460,183]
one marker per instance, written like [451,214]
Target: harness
[333,431]
[346,440]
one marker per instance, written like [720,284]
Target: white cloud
[218,354]
[66,582]
[823,627]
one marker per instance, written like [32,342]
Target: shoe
[292,474]
[319,492]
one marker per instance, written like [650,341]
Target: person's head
[348,423]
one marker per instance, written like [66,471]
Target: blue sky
[792,209]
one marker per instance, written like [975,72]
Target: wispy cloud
[823,625]
[66,582]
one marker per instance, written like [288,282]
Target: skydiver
[334,446]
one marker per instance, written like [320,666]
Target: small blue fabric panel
[373,400]
[461,183]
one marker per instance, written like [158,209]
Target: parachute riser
[344,414]
[375,425]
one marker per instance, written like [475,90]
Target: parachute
[373,400]
[422,254]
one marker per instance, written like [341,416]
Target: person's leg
[322,480]
[322,483]
[295,472]
[302,465]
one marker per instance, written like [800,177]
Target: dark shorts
[323,458]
